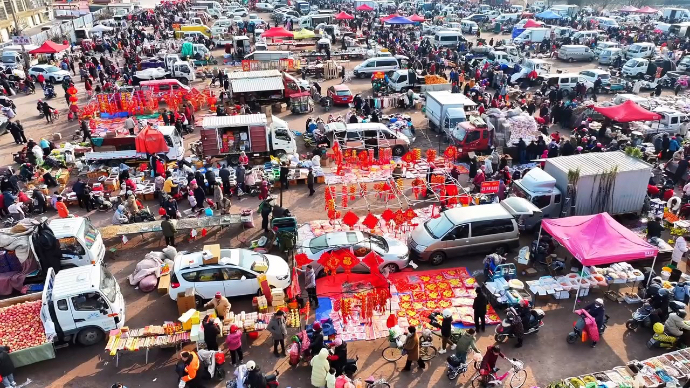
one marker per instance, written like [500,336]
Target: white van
[533,35]
[601,46]
[575,52]
[608,56]
[640,50]
[269,55]
[370,135]
[373,65]
[448,38]
[581,37]
[567,81]
[468,26]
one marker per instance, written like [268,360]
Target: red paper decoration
[348,260]
[302,259]
[350,219]
[451,152]
[370,221]
[387,215]
[330,261]
[373,260]
[399,218]
[410,214]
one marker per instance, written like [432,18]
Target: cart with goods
[616,85]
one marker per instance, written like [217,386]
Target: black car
[479,18]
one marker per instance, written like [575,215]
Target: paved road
[546,354]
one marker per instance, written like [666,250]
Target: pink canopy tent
[647,9]
[344,16]
[364,7]
[277,32]
[629,8]
[598,239]
[416,18]
[627,112]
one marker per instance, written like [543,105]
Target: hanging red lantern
[73,98]
[71,90]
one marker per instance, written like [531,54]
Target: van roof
[77,280]
[446,97]
[63,227]
[362,127]
[460,215]
[448,32]
[644,44]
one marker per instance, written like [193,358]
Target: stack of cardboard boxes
[278,297]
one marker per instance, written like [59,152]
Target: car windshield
[378,241]
[631,63]
[108,285]
[342,93]
[318,244]
[604,76]
[438,227]
[253,260]
[52,69]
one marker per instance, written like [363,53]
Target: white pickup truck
[402,80]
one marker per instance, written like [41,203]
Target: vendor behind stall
[220,304]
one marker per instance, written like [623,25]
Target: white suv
[235,274]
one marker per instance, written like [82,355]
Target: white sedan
[235,274]
[264,6]
[51,73]
[395,253]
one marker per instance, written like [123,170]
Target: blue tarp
[399,20]
[516,32]
[548,14]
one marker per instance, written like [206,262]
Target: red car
[340,94]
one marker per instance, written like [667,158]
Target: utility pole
[25,55]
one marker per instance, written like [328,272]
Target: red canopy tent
[598,240]
[531,23]
[364,7]
[647,9]
[49,47]
[627,112]
[277,32]
[151,141]
[629,8]
[416,18]
[344,16]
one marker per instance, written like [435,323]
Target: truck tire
[279,153]
[90,336]
[234,160]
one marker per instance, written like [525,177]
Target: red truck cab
[469,138]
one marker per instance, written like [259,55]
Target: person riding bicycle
[488,364]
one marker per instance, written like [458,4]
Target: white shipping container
[628,190]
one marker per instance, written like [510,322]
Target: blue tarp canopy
[399,20]
[548,14]
[516,32]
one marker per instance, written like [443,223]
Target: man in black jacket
[6,367]
[224,174]
[446,331]
[479,306]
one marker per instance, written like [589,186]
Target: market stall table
[182,224]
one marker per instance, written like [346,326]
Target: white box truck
[78,305]
[445,109]
[586,184]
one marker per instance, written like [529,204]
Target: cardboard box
[186,300]
[215,251]
[163,284]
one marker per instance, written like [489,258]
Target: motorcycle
[272,379]
[577,333]
[213,361]
[100,203]
[49,92]
[661,340]
[505,329]
[642,316]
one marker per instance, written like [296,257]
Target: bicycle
[517,375]
[393,352]
[371,382]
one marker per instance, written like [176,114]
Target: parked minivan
[601,46]
[373,65]
[448,38]
[583,36]
[505,17]
[566,81]
[640,50]
[372,135]
[575,52]
[608,56]
[466,230]
[468,26]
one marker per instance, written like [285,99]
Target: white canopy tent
[101,28]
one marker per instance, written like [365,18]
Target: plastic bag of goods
[148,283]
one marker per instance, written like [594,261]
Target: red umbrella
[364,7]
[49,47]
[416,18]
[277,32]
[344,16]
[647,9]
